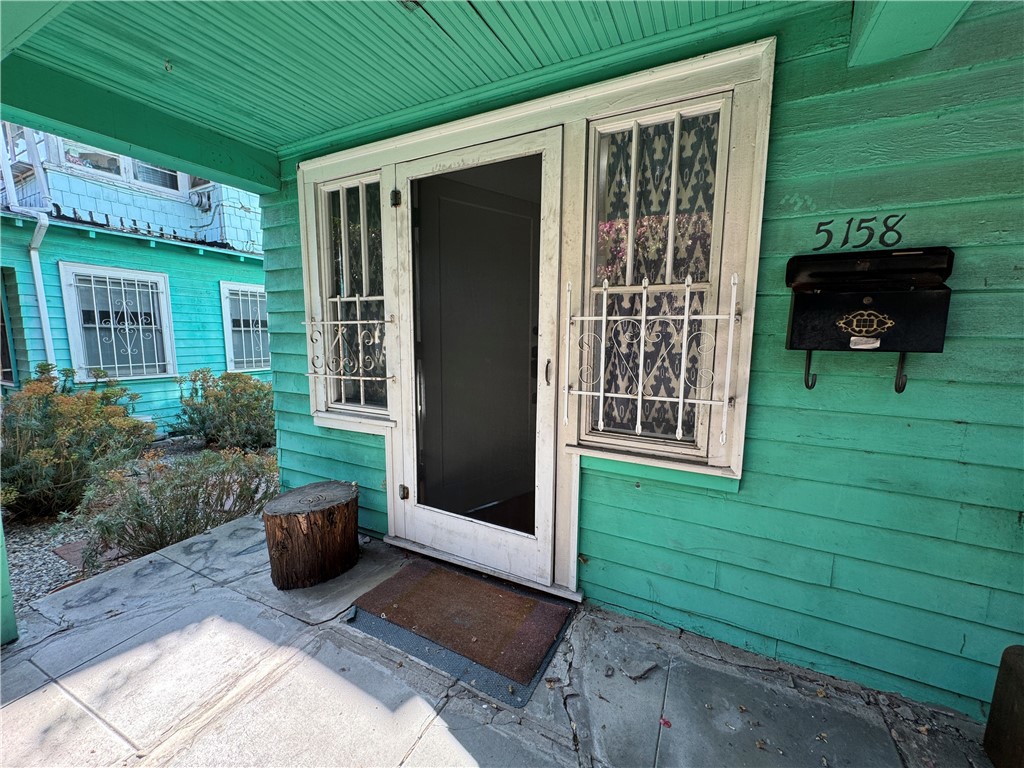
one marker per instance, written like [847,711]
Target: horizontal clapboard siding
[308,453]
[873,536]
[195,301]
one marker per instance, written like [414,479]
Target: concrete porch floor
[190,656]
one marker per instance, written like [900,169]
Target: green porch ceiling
[230,89]
[19,20]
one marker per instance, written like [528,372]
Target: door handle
[547,372]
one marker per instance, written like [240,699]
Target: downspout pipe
[42,223]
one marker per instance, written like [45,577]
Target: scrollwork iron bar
[640,368]
[604,331]
[682,357]
[687,317]
[321,328]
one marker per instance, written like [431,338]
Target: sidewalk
[191,657]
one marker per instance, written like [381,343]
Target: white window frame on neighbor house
[69,272]
[128,170]
[248,292]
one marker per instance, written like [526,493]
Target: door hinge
[396,198]
[403,492]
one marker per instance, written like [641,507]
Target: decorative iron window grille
[121,325]
[634,345]
[650,351]
[248,338]
[348,351]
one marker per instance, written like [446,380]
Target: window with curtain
[653,349]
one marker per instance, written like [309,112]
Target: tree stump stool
[312,534]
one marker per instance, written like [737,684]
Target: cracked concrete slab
[327,705]
[33,627]
[470,732]
[156,663]
[235,550]
[315,605]
[148,582]
[150,684]
[739,717]
[64,651]
[48,728]
[616,718]
[20,678]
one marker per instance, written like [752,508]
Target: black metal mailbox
[873,301]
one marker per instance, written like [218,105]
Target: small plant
[158,503]
[233,410]
[56,439]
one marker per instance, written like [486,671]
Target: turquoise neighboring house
[527,276]
[140,271]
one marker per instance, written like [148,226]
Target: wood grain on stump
[311,533]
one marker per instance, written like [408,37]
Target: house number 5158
[864,232]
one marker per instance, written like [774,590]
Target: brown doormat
[508,632]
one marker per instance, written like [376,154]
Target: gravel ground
[35,569]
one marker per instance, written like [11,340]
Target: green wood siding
[194,292]
[874,536]
[308,453]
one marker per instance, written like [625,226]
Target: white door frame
[747,69]
[512,554]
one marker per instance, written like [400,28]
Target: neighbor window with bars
[118,321]
[348,358]
[246,334]
[650,351]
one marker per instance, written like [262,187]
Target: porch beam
[882,30]
[22,19]
[45,99]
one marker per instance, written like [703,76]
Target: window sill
[85,380]
[353,422]
[652,468]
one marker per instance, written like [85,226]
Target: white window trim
[316,274]
[704,450]
[225,306]
[125,177]
[72,315]
[745,72]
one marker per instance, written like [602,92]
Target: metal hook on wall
[810,379]
[901,378]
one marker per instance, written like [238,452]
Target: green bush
[156,502]
[56,439]
[233,410]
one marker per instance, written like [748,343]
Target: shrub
[155,503]
[56,439]
[233,410]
